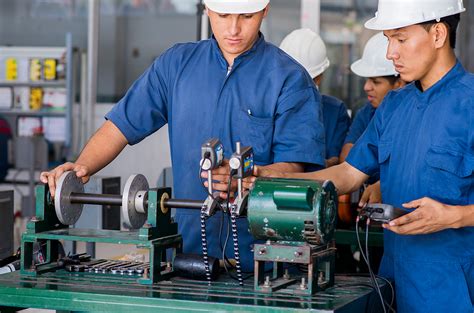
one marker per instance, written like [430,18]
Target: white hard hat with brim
[395,14]
[236,6]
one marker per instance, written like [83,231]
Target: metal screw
[34,219]
[298,253]
[286,275]
[267,282]
[303,283]
[147,225]
[262,251]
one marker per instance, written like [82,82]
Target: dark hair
[392,79]
[451,22]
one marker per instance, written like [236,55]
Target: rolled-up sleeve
[143,109]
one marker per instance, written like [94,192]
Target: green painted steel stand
[157,235]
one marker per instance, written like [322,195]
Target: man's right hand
[52,176]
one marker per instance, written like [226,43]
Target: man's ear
[441,33]
[265,11]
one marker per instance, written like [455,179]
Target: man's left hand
[430,216]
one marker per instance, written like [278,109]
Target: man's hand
[372,194]
[430,216]
[52,176]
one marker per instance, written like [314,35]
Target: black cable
[379,291]
[390,307]
[223,248]
[372,278]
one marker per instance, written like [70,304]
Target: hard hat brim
[236,8]
[377,23]
[363,69]
[319,69]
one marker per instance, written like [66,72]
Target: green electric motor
[292,210]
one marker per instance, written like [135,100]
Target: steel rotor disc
[131,217]
[67,212]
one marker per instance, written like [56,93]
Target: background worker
[381,78]
[307,47]
[235,87]
[422,141]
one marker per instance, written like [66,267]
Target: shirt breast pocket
[449,174]
[258,133]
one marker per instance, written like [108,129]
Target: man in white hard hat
[235,87]
[422,141]
[307,47]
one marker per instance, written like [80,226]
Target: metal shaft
[239,181]
[182,204]
[92,198]
[209,182]
[104,199]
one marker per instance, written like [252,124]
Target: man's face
[236,33]
[412,50]
[376,88]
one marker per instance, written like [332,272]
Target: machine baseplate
[62,290]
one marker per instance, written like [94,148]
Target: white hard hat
[373,62]
[393,14]
[236,6]
[306,47]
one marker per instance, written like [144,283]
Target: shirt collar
[440,86]
[257,46]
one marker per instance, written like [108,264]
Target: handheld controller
[382,213]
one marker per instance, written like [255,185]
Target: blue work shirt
[359,125]
[423,144]
[336,124]
[266,101]
[361,121]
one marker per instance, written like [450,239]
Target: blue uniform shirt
[423,144]
[267,101]
[360,123]
[358,127]
[336,123]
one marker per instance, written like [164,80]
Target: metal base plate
[131,217]
[68,213]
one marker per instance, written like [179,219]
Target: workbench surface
[87,292]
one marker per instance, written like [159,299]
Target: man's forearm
[286,167]
[345,177]
[102,148]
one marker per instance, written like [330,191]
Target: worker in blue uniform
[422,141]
[307,47]
[381,77]
[235,87]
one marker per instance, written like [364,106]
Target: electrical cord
[372,279]
[372,276]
